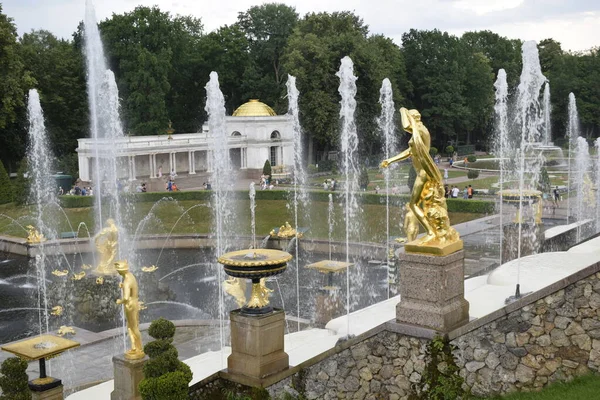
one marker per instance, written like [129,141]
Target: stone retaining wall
[549,336]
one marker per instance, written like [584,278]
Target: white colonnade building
[255,134]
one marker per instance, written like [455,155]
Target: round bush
[158,347]
[162,329]
[471,158]
[449,150]
[473,174]
[433,151]
[163,364]
[13,379]
[171,386]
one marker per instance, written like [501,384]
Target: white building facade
[253,139]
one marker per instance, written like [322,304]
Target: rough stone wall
[552,339]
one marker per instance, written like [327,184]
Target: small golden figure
[236,287]
[86,266]
[285,232]
[260,295]
[65,330]
[79,276]
[411,225]
[57,272]
[427,202]
[131,303]
[151,268]
[99,280]
[107,244]
[57,310]
[33,236]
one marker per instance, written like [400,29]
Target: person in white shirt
[455,192]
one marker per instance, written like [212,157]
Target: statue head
[110,222]
[122,267]
[415,114]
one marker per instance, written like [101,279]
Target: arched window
[275,135]
[236,133]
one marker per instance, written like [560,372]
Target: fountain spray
[387,128]
[573,131]
[349,149]
[501,142]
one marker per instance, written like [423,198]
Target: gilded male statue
[427,203]
[107,245]
[131,304]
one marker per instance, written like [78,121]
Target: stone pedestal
[257,344]
[128,374]
[432,291]
[55,393]
[329,305]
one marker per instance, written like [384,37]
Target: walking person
[455,191]
[556,196]
[466,193]
[470,192]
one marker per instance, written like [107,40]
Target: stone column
[432,291]
[128,374]
[150,167]
[257,345]
[193,162]
[133,169]
[209,160]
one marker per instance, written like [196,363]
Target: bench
[68,235]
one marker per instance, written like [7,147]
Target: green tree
[267,168]
[58,69]
[267,28]
[13,380]
[6,189]
[479,97]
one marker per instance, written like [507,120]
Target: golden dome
[254,108]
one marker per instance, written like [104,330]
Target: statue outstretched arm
[402,156]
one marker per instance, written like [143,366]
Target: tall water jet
[583,183]
[252,195]
[222,180]
[349,149]
[530,157]
[105,125]
[42,191]
[387,129]
[501,140]
[573,130]
[546,112]
[300,192]
[330,221]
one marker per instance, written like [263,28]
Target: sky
[574,23]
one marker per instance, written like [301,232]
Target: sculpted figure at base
[427,202]
[132,305]
[107,245]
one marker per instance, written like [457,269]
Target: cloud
[573,23]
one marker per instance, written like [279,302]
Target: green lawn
[197,217]
[583,388]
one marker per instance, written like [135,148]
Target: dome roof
[254,108]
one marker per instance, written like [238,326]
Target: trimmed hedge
[13,380]
[454,205]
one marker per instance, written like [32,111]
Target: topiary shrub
[449,150]
[13,380]
[473,174]
[433,151]
[165,377]
[267,168]
[471,158]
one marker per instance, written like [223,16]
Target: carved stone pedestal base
[257,344]
[128,374]
[328,305]
[55,393]
[432,291]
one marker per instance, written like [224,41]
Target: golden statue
[57,311]
[285,232]
[86,266]
[99,280]
[65,330]
[33,236]
[107,245]
[411,225]
[79,276]
[236,287]
[151,268]
[260,295]
[57,272]
[132,307]
[427,202]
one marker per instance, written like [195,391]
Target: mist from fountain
[330,222]
[387,128]
[597,183]
[501,142]
[573,132]
[349,150]
[222,180]
[300,191]
[546,115]
[252,195]
[42,191]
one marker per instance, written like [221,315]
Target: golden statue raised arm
[107,245]
[131,303]
[427,201]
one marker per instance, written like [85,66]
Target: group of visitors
[171,186]
[141,188]
[453,192]
[76,190]
[206,186]
[329,184]
[265,182]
